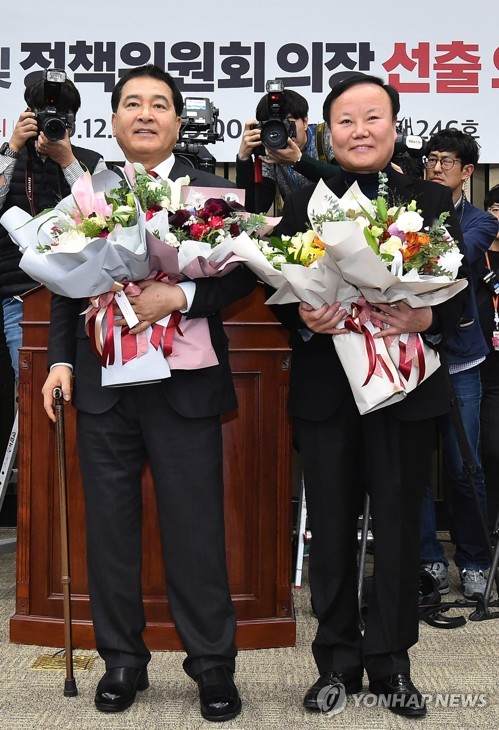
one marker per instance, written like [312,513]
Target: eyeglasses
[446,163]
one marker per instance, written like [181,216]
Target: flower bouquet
[189,236]
[388,255]
[184,242]
[291,265]
[85,245]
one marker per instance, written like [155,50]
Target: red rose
[234,229]
[197,230]
[151,211]
[216,221]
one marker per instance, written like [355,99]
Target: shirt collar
[164,168]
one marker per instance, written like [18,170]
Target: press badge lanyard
[495,301]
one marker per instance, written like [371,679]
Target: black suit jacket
[318,382]
[192,393]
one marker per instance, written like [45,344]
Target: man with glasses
[451,157]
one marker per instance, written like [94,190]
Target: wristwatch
[5,150]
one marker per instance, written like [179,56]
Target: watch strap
[6,150]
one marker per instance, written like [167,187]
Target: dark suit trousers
[186,460]
[342,456]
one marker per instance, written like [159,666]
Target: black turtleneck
[367,182]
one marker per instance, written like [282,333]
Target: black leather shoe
[351,683]
[218,694]
[399,695]
[117,689]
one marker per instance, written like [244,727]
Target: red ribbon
[358,322]
[101,310]
[163,336]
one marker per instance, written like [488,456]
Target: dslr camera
[408,153]
[275,130]
[52,122]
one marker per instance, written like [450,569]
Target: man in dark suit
[175,425]
[388,451]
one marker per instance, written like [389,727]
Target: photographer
[305,156]
[37,170]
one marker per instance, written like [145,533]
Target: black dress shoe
[351,683]
[399,695]
[218,694]
[117,689]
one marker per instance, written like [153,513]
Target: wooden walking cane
[70,689]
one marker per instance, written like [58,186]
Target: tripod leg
[469,470]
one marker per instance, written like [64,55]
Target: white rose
[172,240]
[391,245]
[71,237]
[410,221]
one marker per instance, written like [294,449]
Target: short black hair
[69,100]
[294,105]
[355,80]
[463,145]
[154,72]
[491,198]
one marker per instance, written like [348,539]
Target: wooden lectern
[257,458]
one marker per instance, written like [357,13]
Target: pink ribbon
[411,350]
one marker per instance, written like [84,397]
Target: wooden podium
[257,463]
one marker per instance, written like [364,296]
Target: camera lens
[274,135]
[54,129]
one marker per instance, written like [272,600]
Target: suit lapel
[179,170]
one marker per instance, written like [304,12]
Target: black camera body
[199,121]
[52,122]
[408,154]
[275,130]
[199,126]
